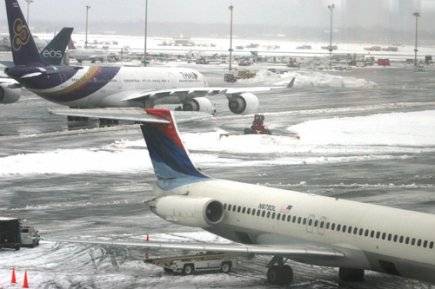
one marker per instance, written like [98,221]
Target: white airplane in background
[109,86]
[90,54]
[285,224]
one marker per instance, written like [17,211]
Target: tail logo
[21,34]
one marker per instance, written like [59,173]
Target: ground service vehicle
[29,236]
[191,264]
[10,235]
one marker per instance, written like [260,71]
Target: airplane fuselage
[102,86]
[372,237]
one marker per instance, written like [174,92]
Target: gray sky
[278,16]
[270,12]
[197,11]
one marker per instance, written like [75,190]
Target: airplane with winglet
[52,54]
[284,224]
[109,86]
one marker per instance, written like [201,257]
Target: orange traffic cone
[25,282]
[14,277]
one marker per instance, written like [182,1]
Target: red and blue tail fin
[24,50]
[169,156]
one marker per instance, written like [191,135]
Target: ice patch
[310,78]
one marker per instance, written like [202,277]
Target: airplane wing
[191,92]
[9,82]
[129,114]
[296,252]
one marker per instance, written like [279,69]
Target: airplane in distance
[90,54]
[110,86]
[284,224]
[52,54]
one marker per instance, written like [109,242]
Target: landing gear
[351,275]
[278,273]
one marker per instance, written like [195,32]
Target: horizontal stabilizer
[129,114]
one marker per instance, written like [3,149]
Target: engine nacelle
[189,211]
[244,103]
[8,95]
[202,104]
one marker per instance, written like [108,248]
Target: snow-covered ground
[310,79]
[334,140]
[269,46]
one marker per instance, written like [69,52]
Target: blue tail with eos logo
[54,52]
[24,50]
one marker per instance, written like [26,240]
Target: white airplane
[285,224]
[109,86]
[90,54]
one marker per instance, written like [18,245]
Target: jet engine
[189,211]
[8,95]
[202,104]
[244,103]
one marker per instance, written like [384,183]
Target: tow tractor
[191,264]
[257,126]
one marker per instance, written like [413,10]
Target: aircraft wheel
[273,275]
[280,275]
[287,274]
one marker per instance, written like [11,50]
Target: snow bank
[310,78]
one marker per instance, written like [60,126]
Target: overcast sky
[272,12]
[198,11]
[284,13]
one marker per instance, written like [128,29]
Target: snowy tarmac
[366,135]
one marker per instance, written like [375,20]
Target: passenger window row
[331,226]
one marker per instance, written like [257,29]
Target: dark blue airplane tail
[24,50]
[54,52]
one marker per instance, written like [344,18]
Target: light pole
[230,50]
[331,19]
[28,10]
[417,15]
[145,35]
[87,23]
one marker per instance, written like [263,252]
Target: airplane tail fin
[54,52]
[169,157]
[24,50]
